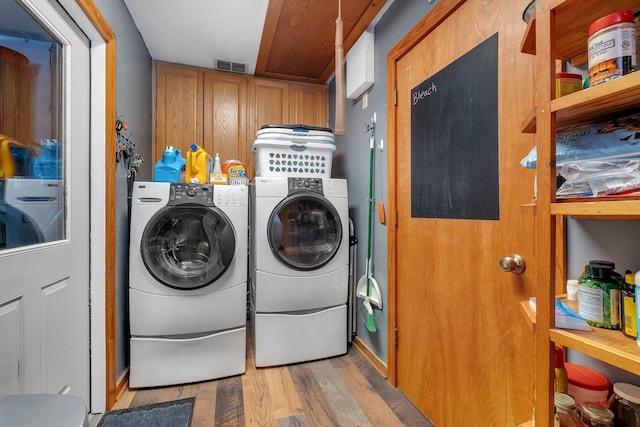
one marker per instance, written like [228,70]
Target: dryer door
[188,246]
[305,231]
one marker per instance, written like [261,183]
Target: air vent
[234,67]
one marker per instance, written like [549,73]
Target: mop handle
[368,266]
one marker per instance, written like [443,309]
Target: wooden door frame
[426,26]
[97,19]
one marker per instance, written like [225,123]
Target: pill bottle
[619,277]
[599,297]
[572,290]
[637,293]
[628,307]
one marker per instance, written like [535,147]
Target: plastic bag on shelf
[611,139]
[599,178]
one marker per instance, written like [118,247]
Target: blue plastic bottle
[49,164]
[169,167]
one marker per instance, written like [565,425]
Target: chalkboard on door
[454,139]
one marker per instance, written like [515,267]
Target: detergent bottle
[197,166]
[168,169]
[15,158]
[49,164]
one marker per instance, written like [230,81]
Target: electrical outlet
[365,100]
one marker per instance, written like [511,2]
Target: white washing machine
[32,211]
[299,268]
[187,282]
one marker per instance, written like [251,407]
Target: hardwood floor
[341,391]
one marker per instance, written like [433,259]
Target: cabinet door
[268,104]
[225,100]
[178,108]
[308,104]
[15,96]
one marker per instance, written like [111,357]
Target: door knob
[512,264]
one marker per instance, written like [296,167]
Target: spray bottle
[217,177]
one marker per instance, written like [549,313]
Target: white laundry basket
[296,150]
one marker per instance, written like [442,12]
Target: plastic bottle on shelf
[628,306]
[562,378]
[637,294]
[599,297]
[572,290]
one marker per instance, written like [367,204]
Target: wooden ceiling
[298,40]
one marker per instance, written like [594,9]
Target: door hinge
[395,97]
[395,218]
[395,333]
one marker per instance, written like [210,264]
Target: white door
[44,229]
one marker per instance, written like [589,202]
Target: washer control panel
[201,194]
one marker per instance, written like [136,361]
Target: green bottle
[599,297]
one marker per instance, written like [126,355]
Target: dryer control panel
[297,185]
[201,194]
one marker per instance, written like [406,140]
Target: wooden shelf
[566,40]
[530,313]
[598,208]
[610,346]
[612,97]
[589,105]
[572,33]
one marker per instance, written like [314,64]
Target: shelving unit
[559,30]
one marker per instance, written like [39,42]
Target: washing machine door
[304,231]
[188,246]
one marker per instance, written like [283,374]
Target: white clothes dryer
[32,211]
[299,268]
[187,282]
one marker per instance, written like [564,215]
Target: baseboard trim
[375,361]
[122,382]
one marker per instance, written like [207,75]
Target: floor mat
[176,413]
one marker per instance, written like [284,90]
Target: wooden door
[308,104]
[464,350]
[178,108]
[268,104]
[225,127]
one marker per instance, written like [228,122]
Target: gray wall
[133,105]
[352,159]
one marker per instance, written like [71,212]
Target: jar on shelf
[599,297]
[566,414]
[612,47]
[626,405]
[595,415]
